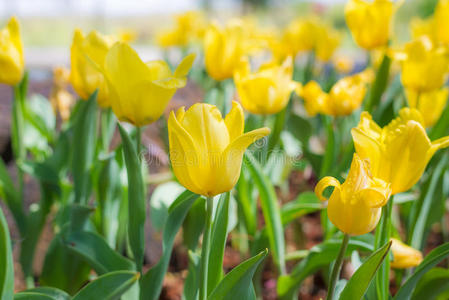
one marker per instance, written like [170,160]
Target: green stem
[107,128]
[379,84]
[382,236]
[329,155]
[204,264]
[138,140]
[308,70]
[337,267]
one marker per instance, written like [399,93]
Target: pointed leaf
[6,261]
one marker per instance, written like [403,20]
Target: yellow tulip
[140,91]
[442,21]
[189,28]
[266,91]
[429,104]
[398,152]
[326,42]
[344,97]
[61,100]
[223,49]
[355,206]
[404,256]
[344,64]
[206,150]
[424,66]
[11,53]
[87,56]
[370,22]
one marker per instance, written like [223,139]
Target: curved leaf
[108,287]
[431,260]
[6,261]
[56,294]
[32,296]
[433,285]
[358,284]
[95,250]
[237,284]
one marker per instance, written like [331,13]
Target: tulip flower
[344,64]
[326,42]
[442,21]
[189,27]
[344,97]
[424,66]
[398,152]
[370,22]
[429,104]
[11,53]
[404,256]
[266,91]
[223,50]
[355,206]
[206,150]
[61,100]
[139,92]
[87,56]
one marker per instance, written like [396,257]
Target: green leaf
[271,211]
[379,84]
[247,203]
[300,128]
[54,293]
[32,296]
[84,137]
[40,115]
[433,285]
[273,138]
[305,203]
[193,275]
[358,284]
[237,284]
[319,257]
[431,260]
[151,283]
[136,199]
[161,199]
[194,224]
[108,287]
[6,261]
[218,242]
[94,249]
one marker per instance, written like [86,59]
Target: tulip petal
[185,65]
[234,121]
[368,148]
[377,194]
[323,184]
[159,70]
[438,144]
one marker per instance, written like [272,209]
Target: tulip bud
[430,104]
[404,256]
[398,152]
[87,56]
[266,91]
[11,53]
[206,151]
[140,91]
[355,206]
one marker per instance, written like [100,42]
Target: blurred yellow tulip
[139,91]
[61,100]
[370,22]
[223,49]
[87,56]
[430,104]
[344,97]
[206,151]
[344,64]
[398,152]
[404,256]
[189,28]
[442,21]
[424,66]
[266,91]
[11,53]
[355,206]
[327,41]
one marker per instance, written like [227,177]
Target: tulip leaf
[151,283]
[271,211]
[305,203]
[136,199]
[319,257]
[108,287]
[218,242]
[55,294]
[193,225]
[191,282]
[32,296]
[237,284]
[433,285]
[84,137]
[96,252]
[247,203]
[161,199]
[358,284]
[431,260]
[6,261]
[379,84]
[273,138]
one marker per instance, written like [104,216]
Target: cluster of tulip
[303,104]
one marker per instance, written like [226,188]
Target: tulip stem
[138,140]
[337,267]
[205,250]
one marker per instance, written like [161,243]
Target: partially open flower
[355,206]
[430,104]
[404,256]
[11,53]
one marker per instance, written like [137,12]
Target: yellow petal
[404,256]
[184,67]
[377,194]
[323,184]
[235,121]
